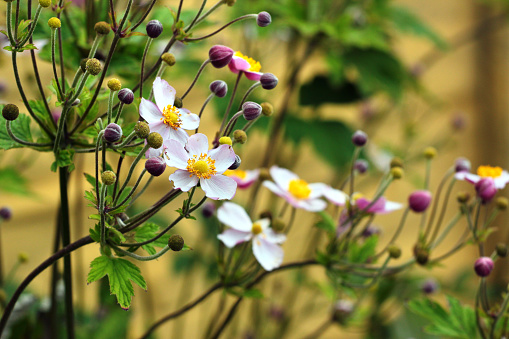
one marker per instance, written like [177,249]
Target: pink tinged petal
[161,128]
[179,135]
[317,190]
[219,187]
[255,76]
[282,176]
[273,237]
[276,189]
[311,205]
[377,207]
[472,178]
[461,175]
[164,94]
[335,196]
[150,112]
[189,120]
[176,155]
[269,255]
[234,216]
[197,144]
[231,237]
[251,177]
[183,180]
[238,64]
[224,157]
[502,180]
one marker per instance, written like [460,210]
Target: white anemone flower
[295,191]
[500,177]
[196,163]
[164,118]
[265,241]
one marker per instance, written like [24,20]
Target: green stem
[110,105]
[9,23]
[147,46]
[32,26]
[102,197]
[244,17]
[202,67]
[227,112]
[23,142]
[140,257]
[95,45]
[131,169]
[54,64]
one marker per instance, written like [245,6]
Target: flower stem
[244,17]
[54,64]
[32,26]
[9,23]
[227,112]
[147,46]
[131,169]
[23,142]
[202,67]
[203,108]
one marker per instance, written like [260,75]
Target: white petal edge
[197,144]
[219,187]
[335,196]
[176,155]
[282,176]
[179,135]
[273,237]
[189,120]
[224,157]
[231,237]
[269,255]
[164,94]
[149,111]
[311,205]
[234,216]
[183,180]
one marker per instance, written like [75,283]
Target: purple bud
[429,286]
[112,133]
[486,189]
[264,19]
[361,166]
[220,56]
[236,163]
[56,115]
[154,28]
[483,266]
[419,201]
[462,164]
[371,230]
[208,210]
[219,88]
[155,166]
[126,96]
[277,313]
[359,138]
[251,110]
[269,81]
[5,213]
[459,121]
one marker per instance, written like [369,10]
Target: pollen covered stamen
[299,188]
[489,172]
[202,166]
[254,65]
[171,117]
[257,228]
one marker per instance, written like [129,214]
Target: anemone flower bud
[102,28]
[5,213]
[219,88]
[240,136]
[429,286]
[486,189]
[268,81]
[208,210]
[155,166]
[126,96]
[359,138]
[419,201]
[154,28]
[176,242]
[168,58]
[220,56]
[108,178]
[112,132]
[93,66]
[236,163]
[462,164]
[155,140]
[251,110]
[10,112]
[263,19]
[483,266]
[342,310]
[361,166]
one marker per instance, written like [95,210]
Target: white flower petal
[461,175]
[269,255]
[317,190]
[282,176]
[179,135]
[189,120]
[276,189]
[219,187]
[197,144]
[231,237]
[335,196]
[176,155]
[264,223]
[391,206]
[224,157]
[472,178]
[161,128]
[234,216]
[183,180]
[150,112]
[164,94]
[311,205]
[273,237]
[502,180]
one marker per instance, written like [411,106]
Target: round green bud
[421,255]
[501,250]
[22,257]
[463,197]
[83,64]
[114,84]
[10,112]
[230,3]
[178,102]
[267,109]
[397,172]
[142,130]
[168,58]
[240,136]
[108,178]
[45,3]
[155,140]
[176,242]
[102,28]
[430,152]
[225,141]
[396,162]
[502,203]
[264,174]
[54,23]
[278,225]
[93,66]
[394,251]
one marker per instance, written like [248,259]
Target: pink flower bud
[483,266]
[268,81]
[155,166]
[359,138]
[419,201]
[112,133]
[220,56]
[154,28]
[264,19]
[486,189]
[462,165]
[126,96]
[219,88]
[251,110]
[5,213]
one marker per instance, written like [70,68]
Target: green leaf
[20,128]
[147,232]
[64,159]
[12,181]
[120,273]
[321,91]
[327,223]
[359,253]
[90,197]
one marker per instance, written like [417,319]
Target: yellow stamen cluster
[299,188]
[202,166]
[489,172]
[236,173]
[254,65]
[257,228]
[171,117]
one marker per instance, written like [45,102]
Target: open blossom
[244,179]
[163,117]
[499,176]
[196,163]
[337,197]
[266,242]
[249,66]
[381,206]
[295,191]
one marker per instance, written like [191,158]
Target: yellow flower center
[299,188]
[202,166]
[236,173]
[171,117]
[257,228]
[489,172]
[254,65]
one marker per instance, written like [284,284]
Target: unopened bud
[421,255]
[112,133]
[502,203]
[361,166]
[22,257]
[155,166]
[267,109]
[154,28]
[108,178]
[396,162]
[394,251]
[278,225]
[430,152]
[208,210]
[483,266]
[236,163]
[125,96]
[102,28]
[168,58]
[359,138]
[430,286]
[501,250]
[225,141]
[219,88]
[239,136]
[93,66]
[178,102]
[220,56]
[264,19]
[45,3]
[10,112]
[463,197]
[176,242]
[266,215]
[462,165]
[251,110]
[155,140]
[397,172]
[419,201]
[114,85]
[486,189]
[54,23]
[342,311]
[5,213]
[268,81]
[142,130]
